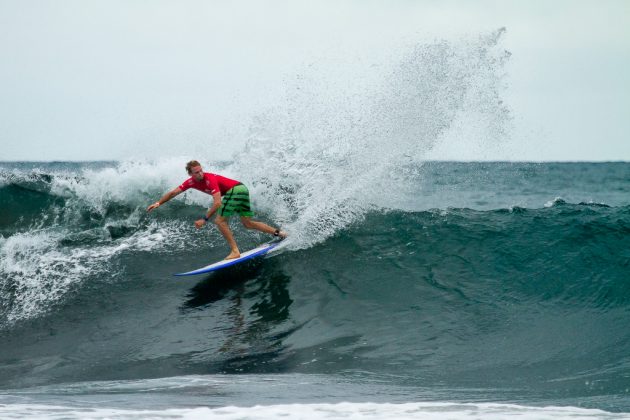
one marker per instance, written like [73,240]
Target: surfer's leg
[237,201]
[224,228]
[263,227]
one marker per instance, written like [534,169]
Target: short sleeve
[211,182]
[186,184]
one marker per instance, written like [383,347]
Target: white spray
[327,156]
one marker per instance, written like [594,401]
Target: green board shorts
[236,200]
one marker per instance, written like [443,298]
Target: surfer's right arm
[172,193]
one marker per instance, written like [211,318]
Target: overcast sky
[102,80]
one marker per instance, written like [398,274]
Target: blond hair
[191,165]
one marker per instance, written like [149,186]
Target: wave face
[522,296]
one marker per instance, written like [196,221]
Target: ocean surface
[437,290]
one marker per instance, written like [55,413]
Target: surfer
[235,200]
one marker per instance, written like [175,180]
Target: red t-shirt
[210,184]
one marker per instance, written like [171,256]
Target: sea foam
[346,410]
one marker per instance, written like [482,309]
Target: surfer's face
[197,173]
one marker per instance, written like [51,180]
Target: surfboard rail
[252,253]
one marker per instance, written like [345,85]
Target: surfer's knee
[220,221]
[247,222]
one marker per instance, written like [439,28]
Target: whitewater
[411,288]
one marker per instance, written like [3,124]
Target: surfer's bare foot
[233,255]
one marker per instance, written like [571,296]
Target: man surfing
[235,200]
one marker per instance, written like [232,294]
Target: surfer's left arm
[211,211]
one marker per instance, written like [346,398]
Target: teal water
[479,282]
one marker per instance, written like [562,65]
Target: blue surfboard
[253,253]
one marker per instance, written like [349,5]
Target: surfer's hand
[153,206]
[199,223]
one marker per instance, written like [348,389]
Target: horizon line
[423,161]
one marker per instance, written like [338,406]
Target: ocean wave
[44,257]
[43,267]
[503,297]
